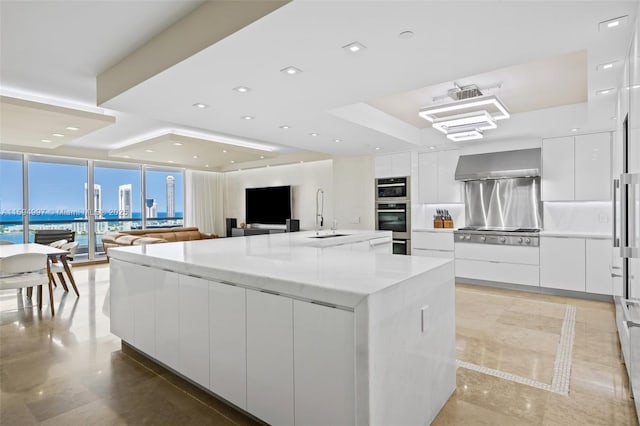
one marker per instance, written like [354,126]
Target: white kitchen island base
[364,338]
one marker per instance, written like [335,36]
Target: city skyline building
[97,200]
[171,202]
[125,201]
[151,208]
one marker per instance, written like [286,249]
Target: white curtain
[204,199]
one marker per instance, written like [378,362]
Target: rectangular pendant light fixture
[480,120]
[489,103]
[466,135]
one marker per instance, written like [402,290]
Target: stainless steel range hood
[499,165]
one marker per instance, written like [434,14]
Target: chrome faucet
[319,209]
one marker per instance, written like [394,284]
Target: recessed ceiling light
[605,91]
[432,147]
[614,117]
[46,140]
[575,129]
[224,151]
[354,47]
[73,129]
[267,166]
[241,89]
[406,34]
[377,148]
[313,134]
[58,135]
[170,161]
[195,156]
[613,23]
[148,150]
[126,156]
[177,144]
[606,66]
[261,157]
[232,161]
[200,105]
[291,70]
[247,117]
[301,161]
[285,127]
[337,140]
[206,165]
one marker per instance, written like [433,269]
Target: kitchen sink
[330,235]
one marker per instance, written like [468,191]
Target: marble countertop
[576,234]
[288,263]
[433,229]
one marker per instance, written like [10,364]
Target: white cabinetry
[393,165]
[562,263]
[577,168]
[194,329]
[505,264]
[437,182]
[120,303]
[432,243]
[270,357]
[576,264]
[168,320]
[228,349]
[324,365]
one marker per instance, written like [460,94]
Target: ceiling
[544,55]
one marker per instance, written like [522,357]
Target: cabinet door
[598,261]
[558,169]
[270,357]
[593,167]
[142,282]
[428,177]
[324,348]
[228,349]
[167,319]
[401,164]
[382,166]
[194,329]
[562,263]
[120,306]
[449,190]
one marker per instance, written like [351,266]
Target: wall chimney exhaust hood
[499,165]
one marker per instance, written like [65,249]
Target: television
[270,205]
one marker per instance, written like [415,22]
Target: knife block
[437,223]
[447,223]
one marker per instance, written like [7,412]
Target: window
[120,186]
[11,207]
[164,197]
[58,197]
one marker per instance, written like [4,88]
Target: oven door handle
[399,241]
[390,185]
[391,211]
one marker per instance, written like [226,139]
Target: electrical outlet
[424,318]
[603,218]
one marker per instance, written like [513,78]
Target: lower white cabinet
[447,254]
[194,329]
[270,357]
[120,303]
[324,365]
[228,342]
[504,264]
[432,244]
[168,320]
[576,264]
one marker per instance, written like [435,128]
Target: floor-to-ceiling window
[164,197]
[11,201]
[59,197]
[121,186]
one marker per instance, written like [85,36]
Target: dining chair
[26,270]
[58,243]
[57,267]
[5,242]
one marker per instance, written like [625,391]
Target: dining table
[55,254]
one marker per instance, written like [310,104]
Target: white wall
[305,179]
[422,214]
[353,192]
[589,217]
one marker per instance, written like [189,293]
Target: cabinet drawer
[448,254]
[432,240]
[498,272]
[495,253]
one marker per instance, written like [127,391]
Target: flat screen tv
[270,205]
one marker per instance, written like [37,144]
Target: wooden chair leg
[51,297]
[62,281]
[39,297]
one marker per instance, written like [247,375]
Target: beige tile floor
[71,371]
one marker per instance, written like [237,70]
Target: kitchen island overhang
[294,334]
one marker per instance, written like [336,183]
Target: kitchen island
[295,329]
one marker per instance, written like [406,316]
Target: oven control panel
[507,238]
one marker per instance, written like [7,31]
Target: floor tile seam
[562,365]
[180,389]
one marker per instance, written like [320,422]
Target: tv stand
[245,232]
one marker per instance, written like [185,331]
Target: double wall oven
[393,211]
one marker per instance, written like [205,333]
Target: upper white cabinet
[577,168]
[393,165]
[437,182]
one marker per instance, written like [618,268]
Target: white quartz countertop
[289,263]
[449,230]
[576,234]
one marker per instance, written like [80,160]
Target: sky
[59,187]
